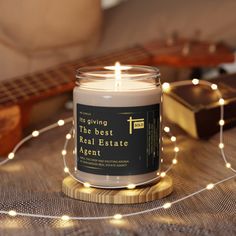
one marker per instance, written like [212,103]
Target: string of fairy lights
[166,88]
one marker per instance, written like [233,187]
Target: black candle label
[118,140]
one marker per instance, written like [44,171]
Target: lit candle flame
[117,68]
[117,71]
[117,75]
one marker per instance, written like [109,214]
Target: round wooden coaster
[74,189]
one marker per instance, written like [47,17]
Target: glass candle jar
[117,114]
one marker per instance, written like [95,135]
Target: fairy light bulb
[87,185]
[163,174]
[166,87]
[65,217]
[173,138]
[210,186]
[221,145]
[221,122]
[228,165]
[131,186]
[176,149]
[214,87]
[63,152]
[68,136]
[11,155]
[174,161]
[12,213]
[167,205]
[117,216]
[167,129]
[221,101]
[61,122]
[66,169]
[35,133]
[195,81]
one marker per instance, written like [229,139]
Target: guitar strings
[40,79]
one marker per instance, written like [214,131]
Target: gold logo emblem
[135,124]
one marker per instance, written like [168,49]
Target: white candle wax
[126,94]
[110,93]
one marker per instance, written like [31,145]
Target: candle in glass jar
[117,112]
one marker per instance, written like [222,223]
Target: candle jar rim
[134,72]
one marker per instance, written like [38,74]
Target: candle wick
[117,85]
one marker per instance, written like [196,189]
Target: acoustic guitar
[18,95]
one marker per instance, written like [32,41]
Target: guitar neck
[40,85]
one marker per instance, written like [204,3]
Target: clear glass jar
[117,116]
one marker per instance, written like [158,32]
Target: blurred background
[39,34]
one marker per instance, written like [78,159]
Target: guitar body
[10,128]
[14,119]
